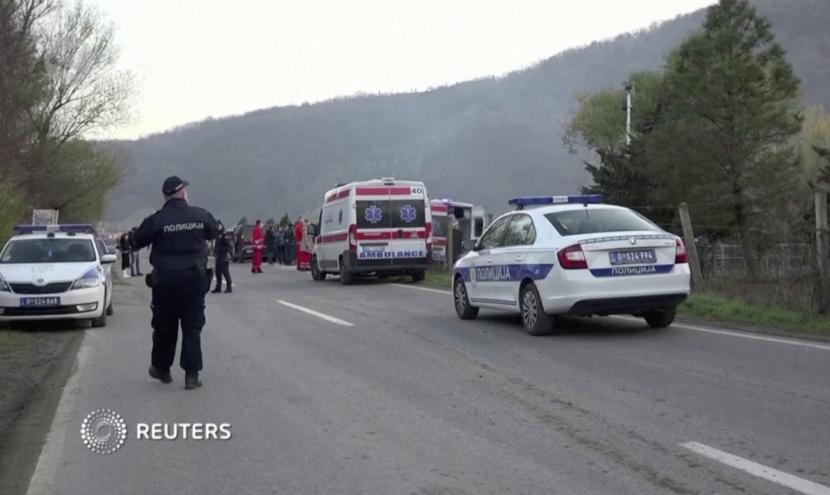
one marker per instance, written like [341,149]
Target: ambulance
[471,221]
[379,227]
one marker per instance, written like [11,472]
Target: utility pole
[629,89]
[822,254]
[691,247]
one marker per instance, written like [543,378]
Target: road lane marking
[694,328]
[425,289]
[742,335]
[779,477]
[311,312]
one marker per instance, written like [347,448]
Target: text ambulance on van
[381,226]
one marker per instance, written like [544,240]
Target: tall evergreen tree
[733,112]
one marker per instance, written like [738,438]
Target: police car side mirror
[469,245]
[109,259]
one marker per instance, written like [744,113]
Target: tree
[733,111]
[58,85]
[622,174]
[22,78]
[243,220]
[285,221]
[84,93]
[270,221]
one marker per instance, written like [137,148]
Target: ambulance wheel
[346,277]
[462,302]
[316,273]
[534,319]
[110,310]
[660,319]
[418,276]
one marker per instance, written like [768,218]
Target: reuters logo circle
[104,431]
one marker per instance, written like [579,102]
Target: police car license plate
[40,301]
[633,257]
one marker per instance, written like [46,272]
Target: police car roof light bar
[585,199]
[73,228]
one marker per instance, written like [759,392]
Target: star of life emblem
[373,214]
[408,213]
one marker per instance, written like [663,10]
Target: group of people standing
[281,244]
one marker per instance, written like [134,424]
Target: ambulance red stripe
[390,235]
[338,195]
[383,191]
[325,239]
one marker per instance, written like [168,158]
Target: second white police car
[572,255]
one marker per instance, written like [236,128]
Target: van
[243,243]
[469,220]
[381,227]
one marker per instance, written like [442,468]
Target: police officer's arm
[143,235]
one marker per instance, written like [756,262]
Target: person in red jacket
[258,244]
[303,247]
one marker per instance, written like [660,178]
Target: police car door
[483,288]
[513,259]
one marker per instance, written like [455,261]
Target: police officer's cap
[173,185]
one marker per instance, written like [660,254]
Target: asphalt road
[385,391]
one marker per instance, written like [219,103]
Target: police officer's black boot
[191,381]
[158,375]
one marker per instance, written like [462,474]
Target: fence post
[450,245]
[691,247]
[823,261]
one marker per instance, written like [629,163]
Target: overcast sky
[198,58]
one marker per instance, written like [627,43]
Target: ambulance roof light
[584,199]
[388,181]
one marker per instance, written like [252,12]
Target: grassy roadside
[726,310]
[717,309]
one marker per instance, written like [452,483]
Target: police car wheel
[316,273]
[346,277]
[462,302]
[660,319]
[534,319]
[101,321]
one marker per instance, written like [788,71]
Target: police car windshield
[55,250]
[597,220]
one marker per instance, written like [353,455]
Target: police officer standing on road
[222,251]
[179,234]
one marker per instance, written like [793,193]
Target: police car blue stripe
[627,271]
[506,273]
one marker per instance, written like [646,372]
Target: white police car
[572,255]
[56,272]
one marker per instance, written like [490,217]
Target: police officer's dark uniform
[179,234]
[222,251]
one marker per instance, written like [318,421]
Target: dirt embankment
[35,362]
